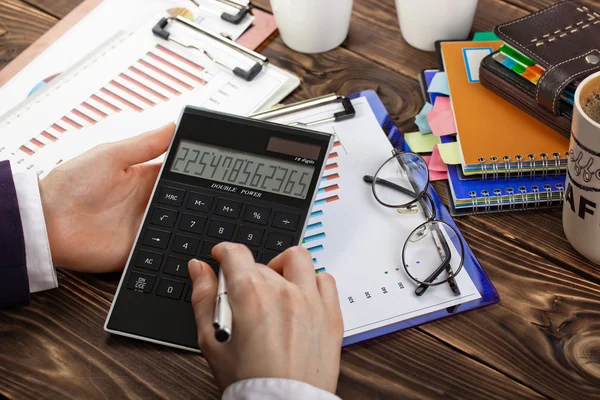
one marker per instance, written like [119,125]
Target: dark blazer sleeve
[14,282]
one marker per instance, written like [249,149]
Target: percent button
[258,215]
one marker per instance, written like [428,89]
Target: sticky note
[421,119]
[420,143]
[435,175]
[484,36]
[436,163]
[442,123]
[439,84]
[442,103]
[450,153]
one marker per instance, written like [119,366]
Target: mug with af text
[581,210]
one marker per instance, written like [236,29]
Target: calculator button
[156,238]
[267,257]
[258,215]
[164,217]
[170,288]
[192,223]
[285,220]
[188,296]
[249,236]
[185,245]
[140,282]
[148,259]
[228,208]
[278,241]
[200,202]
[177,266]
[171,196]
[220,229]
[207,249]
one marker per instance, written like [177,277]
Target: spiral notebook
[475,195]
[495,137]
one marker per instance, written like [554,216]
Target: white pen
[222,318]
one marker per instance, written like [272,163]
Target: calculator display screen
[249,170]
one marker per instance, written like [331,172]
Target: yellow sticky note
[450,153]
[420,143]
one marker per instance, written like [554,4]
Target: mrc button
[171,196]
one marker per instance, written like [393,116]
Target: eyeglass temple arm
[390,185]
[444,250]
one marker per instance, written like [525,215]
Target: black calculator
[224,178]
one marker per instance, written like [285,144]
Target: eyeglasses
[433,253]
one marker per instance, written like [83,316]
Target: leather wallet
[564,39]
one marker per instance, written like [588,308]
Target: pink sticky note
[442,103]
[437,176]
[436,163]
[441,122]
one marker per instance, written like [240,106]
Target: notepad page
[359,241]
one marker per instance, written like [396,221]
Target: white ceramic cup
[423,22]
[581,210]
[312,26]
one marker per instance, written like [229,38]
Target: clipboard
[484,286]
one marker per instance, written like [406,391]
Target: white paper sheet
[357,240]
[132,83]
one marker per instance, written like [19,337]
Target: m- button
[200,202]
[171,196]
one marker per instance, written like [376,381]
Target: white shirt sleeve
[275,389]
[42,275]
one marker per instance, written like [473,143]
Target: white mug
[312,26]
[423,22]
[581,209]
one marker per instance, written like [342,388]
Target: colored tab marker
[330,177]
[317,213]
[327,200]
[319,270]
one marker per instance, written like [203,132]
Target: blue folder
[489,295]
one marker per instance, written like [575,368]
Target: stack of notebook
[506,160]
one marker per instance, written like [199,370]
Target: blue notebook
[488,293]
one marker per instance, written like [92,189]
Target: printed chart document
[359,241]
[132,83]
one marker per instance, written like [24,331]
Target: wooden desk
[542,340]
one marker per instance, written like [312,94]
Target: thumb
[144,147]
[204,294]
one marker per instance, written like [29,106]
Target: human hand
[94,204]
[287,321]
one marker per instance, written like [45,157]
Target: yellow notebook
[495,136]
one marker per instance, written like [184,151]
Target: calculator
[224,178]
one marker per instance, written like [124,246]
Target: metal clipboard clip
[280,111]
[243,10]
[160,30]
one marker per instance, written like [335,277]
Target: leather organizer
[564,39]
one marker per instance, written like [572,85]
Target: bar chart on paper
[155,78]
[135,78]
[315,236]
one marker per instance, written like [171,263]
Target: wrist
[48,210]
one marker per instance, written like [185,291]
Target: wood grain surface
[541,341]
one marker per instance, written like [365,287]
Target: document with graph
[358,241]
[131,83]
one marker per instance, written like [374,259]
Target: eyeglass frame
[431,214]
